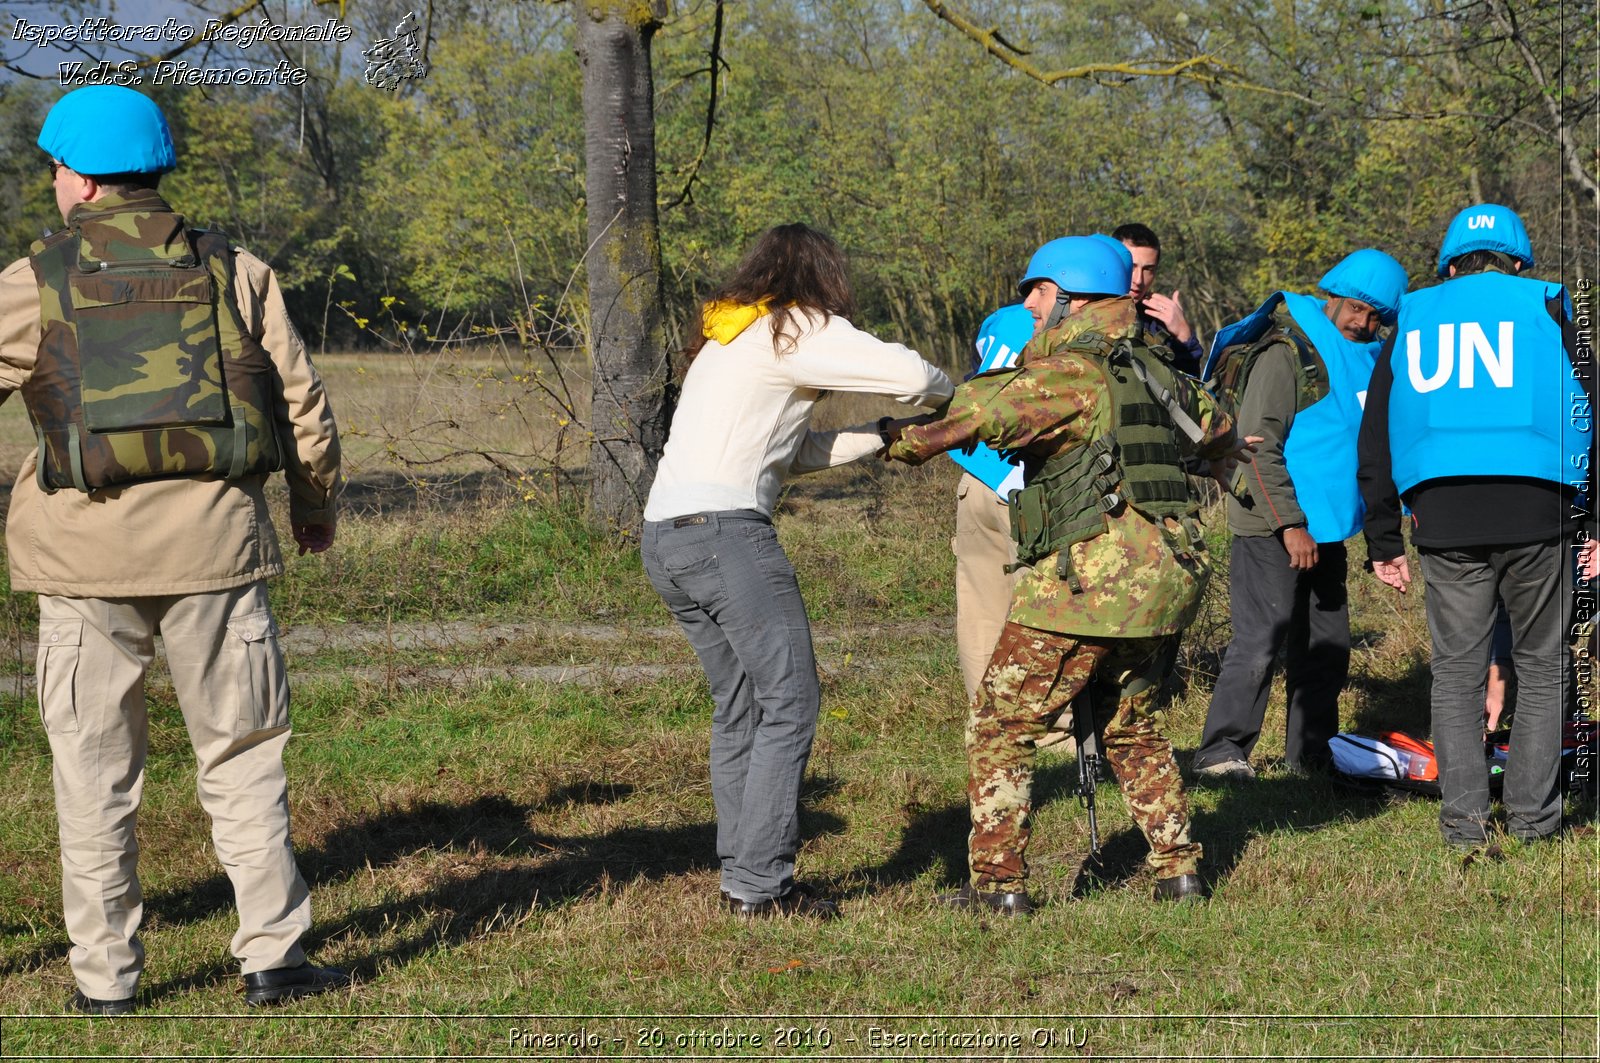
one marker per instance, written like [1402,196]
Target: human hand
[1302,548]
[1224,469]
[1494,698]
[1395,573]
[1169,311]
[890,429]
[1589,559]
[313,538]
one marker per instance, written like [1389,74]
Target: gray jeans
[734,593]
[1532,579]
[1307,614]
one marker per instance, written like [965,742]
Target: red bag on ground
[1416,755]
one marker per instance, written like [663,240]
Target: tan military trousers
[984,547]
[222,650]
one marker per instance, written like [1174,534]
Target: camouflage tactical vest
[145,368]
[1139,462]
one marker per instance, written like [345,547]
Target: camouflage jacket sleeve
[1219,433]
[305,419]
[1039,408]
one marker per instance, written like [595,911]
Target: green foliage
[937,167]
[24,177]
[482,180]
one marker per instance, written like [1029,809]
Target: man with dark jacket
[1479,418]
[1298,368]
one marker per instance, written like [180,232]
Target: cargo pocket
[263,686]
[56,672]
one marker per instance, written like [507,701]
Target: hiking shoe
[90,1006]
[1226,771]
[1006,902]
[800,900]
[284,984]
[1180,888]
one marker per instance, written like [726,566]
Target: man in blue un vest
[1298,368]
[1478,417]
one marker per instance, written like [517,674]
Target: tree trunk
[631,410]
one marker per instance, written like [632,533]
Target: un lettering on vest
[994,354]
[1491,398]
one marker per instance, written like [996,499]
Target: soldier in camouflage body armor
[1104,604]
[164,381]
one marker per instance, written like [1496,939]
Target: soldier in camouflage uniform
[164,382]
[1108,527]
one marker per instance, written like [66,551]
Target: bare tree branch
[1205,68]
[1506,18]
[717,63]
[226,19]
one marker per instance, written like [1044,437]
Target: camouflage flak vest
[1139,462]
[145,369]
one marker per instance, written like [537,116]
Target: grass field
[500,799]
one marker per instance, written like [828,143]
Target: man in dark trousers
[1298,368]
[1479,418]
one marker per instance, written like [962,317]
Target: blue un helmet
[1371,276]
[1078,265]
[1119,247]
[1082,265]
[1485,227]
[108,129]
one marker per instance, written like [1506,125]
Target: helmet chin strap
[1058,311]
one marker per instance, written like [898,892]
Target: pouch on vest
[1137,463]
[145,368]
[171,375]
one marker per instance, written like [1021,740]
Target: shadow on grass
[515,870]
[935,838]
[1262,806]
[1395,704]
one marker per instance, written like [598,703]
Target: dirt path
[605,649]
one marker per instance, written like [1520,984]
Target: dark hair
[793,268]
[1138,234]
[1482,259]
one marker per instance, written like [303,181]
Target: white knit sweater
[743,420]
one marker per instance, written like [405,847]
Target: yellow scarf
[723,320]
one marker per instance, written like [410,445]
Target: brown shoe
[800,900]
[1006,902]
[1180,888]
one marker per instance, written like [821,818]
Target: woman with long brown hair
[770,342]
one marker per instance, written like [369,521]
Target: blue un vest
[1000,341]
[1320,452]
[1483,385]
